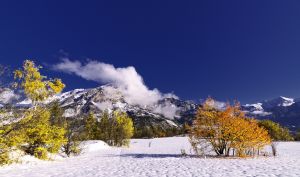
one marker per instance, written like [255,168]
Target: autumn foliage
[115,129]
[228,131]
[33,133]
[35,85]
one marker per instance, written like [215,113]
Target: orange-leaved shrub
[227,130]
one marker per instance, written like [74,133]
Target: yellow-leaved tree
[36,135]
[123,130]
[115,129]
[35,85]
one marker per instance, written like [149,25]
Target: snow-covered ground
[157,157]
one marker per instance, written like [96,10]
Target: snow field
[157,157]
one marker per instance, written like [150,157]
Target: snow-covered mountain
[282,109]
[166,113]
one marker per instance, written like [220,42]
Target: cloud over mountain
[7,96]
[127,79]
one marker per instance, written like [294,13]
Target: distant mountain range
[166,113]
[283,110]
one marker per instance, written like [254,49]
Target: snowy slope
[256,109]
[283,110]
[263,108]
[160,157]
[166,113]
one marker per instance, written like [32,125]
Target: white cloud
[7,96]
[130,83]
[169,110]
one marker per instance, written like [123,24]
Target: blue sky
[245,50]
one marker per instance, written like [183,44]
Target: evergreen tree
[57,117]
[72,138]
[72,135]
[143,132]
[90,130]
[104,128]
[297,135]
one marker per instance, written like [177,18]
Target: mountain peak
[280,101]
[288,101]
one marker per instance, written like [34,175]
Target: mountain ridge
[168,112]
